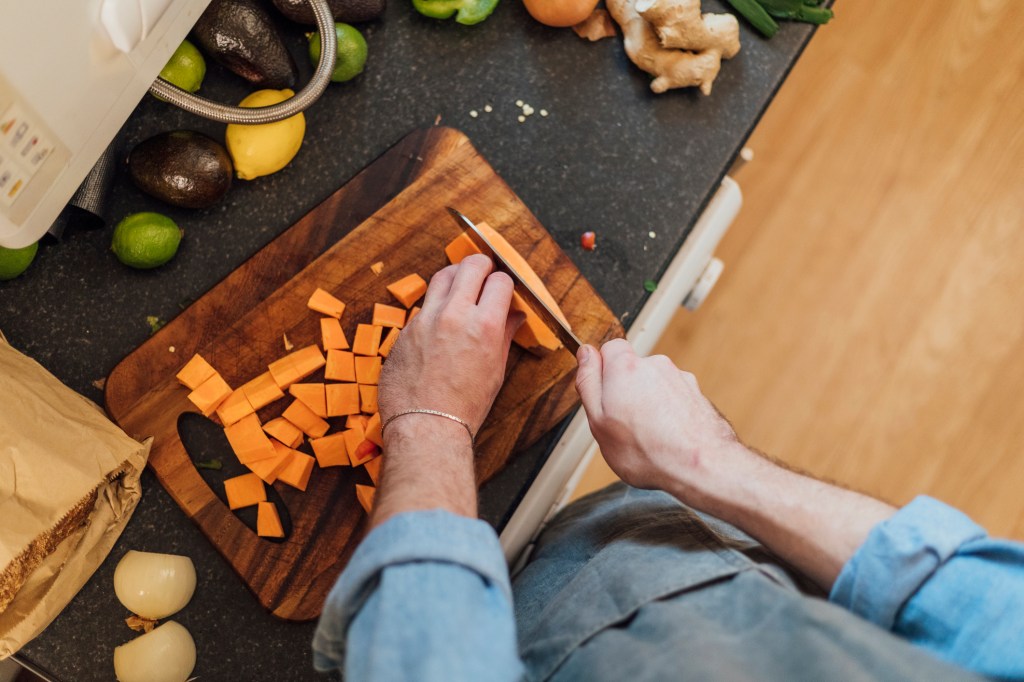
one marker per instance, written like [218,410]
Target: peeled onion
[154,585]
[167,654]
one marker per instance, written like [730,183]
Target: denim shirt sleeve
[934,577]
[426,596]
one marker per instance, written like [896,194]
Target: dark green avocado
[183,168]
[240,36]
[347,11]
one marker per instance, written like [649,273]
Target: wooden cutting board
[393,211]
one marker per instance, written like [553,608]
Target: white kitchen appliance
[70,75]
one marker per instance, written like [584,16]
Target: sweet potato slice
[269,469]
[333,335]
[373,430]
[210,394]
[330,450]
[367,341]
[388,316]
[268,523]
[366,494]
[368,370]
[244,491]
[262,391]
[341,366]
[296,366]
[234,407]
[312,396]
[388,343]
[304,418]
[408,290]
[368,399]
[325,303]
[195,372]
[297,472]
[373,469]
[342,399]
[248,441]
[357,421]
[284,431]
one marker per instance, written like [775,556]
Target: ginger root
[674,42]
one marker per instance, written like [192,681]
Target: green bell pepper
[469,11]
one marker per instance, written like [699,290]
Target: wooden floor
[869,327]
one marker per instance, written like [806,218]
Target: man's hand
[656,430]
[450,358]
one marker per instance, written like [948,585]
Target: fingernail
[583,354]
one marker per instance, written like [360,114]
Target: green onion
[756,15]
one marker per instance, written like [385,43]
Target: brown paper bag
[69,481]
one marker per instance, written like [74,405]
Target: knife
[538,306]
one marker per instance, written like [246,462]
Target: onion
[167,654]
[154,585]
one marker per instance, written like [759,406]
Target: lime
[146,240]
[259,150]
[186,68]
[13,262]
[351,52]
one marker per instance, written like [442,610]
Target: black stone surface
[611,157]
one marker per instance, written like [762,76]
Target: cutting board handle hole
[204,441]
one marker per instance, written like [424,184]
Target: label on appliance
[23,149]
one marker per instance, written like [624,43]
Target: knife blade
[560,329]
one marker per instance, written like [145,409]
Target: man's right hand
[655,428]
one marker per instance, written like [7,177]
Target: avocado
[240,36]
[347,11]
[183,168]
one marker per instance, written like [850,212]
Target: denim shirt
[630,584]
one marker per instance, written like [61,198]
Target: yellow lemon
[264,149]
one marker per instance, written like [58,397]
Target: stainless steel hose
[200,106]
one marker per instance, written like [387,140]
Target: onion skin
[560,13]
[167,654]
[153,585]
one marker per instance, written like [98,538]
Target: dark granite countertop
[611,157]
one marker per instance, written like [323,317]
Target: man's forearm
[428,465]
[815,526]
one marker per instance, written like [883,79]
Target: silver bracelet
[452,417]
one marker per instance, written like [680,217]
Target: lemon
[259,150]
[13,262]
[146,240]
[186,68]
[351,52]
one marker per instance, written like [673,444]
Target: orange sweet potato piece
[325,303]
[360,450]
[367,341]
[341,366]
[357,421]
[269,469]
[330,450]
[342,399]
[388,343]
[520,265]
[195,372]
[262,391]
[373,430]
[210,394]
[333,335]
[408,290]
[459,248]
[234,407]
[304,418]
[296,366]
[412,313]
[366,494]
[368,399]
[368,370]
[312,396]
[373,469]
[248,441]
[534,335]
[388,316]
[296,473]
[268,523]
[284,431]
[244,491]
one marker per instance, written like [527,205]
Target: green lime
[186,68]
[351,52]
[13,262]
[146,240]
